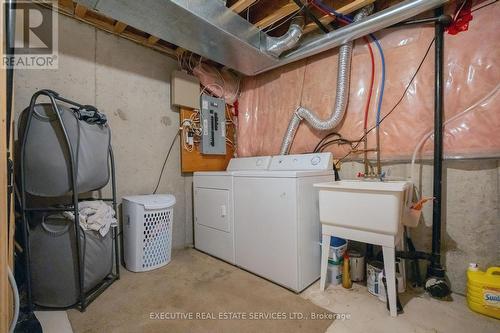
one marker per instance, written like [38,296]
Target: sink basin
[373,206]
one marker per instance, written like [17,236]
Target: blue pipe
[379,48]
[382,83]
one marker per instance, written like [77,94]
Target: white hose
[15,292]
[481,102]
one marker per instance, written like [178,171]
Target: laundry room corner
[131,84]
[281,166]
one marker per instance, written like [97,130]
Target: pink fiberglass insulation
[471,72]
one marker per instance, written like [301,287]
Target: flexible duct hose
[341,98]
[277,45]
[15,292]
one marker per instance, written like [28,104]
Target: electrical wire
[330,11]
[397,103]
[329,135]
[483,6]
[271,28]
[459,10]
[165,162]
[340,141]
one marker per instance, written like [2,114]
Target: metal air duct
[213,31]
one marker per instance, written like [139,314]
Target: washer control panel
[316,161]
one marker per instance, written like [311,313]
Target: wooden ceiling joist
[119,27]
[347,9]
[67,6]
[284,11]
[96,19]
[241,5]
[80,11]
[152,40]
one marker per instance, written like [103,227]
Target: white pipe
[15,292]
[481,102]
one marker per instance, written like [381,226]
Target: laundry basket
[147,231]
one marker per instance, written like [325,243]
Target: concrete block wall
[471,212]
[131,85]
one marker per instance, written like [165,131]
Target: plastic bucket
[338,246]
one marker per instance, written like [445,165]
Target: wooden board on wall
[195,161]
[4,242]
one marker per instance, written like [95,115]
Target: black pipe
[435,268]
[313,17]
[440,19]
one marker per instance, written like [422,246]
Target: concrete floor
[197,293]
[194,282]
[422,314]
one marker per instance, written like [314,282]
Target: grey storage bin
[54,270]
[47,159]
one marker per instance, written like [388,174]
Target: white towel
[95,215]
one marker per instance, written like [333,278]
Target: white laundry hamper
[147,231]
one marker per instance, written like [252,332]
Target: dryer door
[212,208]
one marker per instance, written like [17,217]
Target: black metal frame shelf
[84,299]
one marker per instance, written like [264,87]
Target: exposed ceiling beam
[347,9]
[67,5]
[152,39]
[284,11]
[241,5]
[119,27]
[80,11]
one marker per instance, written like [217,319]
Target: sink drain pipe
[436,284]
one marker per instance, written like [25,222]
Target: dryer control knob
[315,160]
[259,162]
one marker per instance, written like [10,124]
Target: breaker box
[213,124]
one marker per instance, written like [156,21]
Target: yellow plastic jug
[483,290]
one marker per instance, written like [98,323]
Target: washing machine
[214,206]
[276,214]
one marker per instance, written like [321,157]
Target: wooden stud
[347,9]
[119,27]
[284,11]
[241,5]
[5,303]
[80,11]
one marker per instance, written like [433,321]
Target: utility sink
[374,206]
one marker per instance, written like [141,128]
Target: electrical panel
[213,125]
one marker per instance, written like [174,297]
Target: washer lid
[283,174]
[152,201]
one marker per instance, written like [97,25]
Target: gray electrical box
[213,125]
